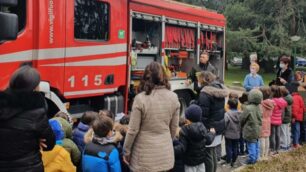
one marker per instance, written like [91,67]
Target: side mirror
[9,26]
[8,2]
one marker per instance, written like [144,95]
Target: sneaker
[234,165]
[223,157]
[222,162]
[297,146]
[273,153]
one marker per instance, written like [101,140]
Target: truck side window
[91,20]
[20,11]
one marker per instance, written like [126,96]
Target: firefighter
[204,65]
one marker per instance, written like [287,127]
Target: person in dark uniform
[204,65]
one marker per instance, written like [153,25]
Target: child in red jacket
[297,114]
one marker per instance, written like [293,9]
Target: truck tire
[184,97]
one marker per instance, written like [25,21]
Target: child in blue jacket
[84,125]
[101,154]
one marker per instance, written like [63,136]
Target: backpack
[95,154]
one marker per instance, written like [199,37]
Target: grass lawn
[285,162]
[234,74]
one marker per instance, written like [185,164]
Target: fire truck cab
[92,53]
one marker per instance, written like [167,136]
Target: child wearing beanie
[58,159]
[251,121]
[192,140]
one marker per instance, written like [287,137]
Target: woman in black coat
[284,75]
[24,124]
[212,102]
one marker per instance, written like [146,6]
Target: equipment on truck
[92,54]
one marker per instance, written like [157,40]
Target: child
[244,102]
[232,131]
[297,114]
[233,95]
[253,80]
[251,124]
[62,115]
[108,113]
[285,139]
[101,153]
[178,163]
[82,128]
[65,116]
[298,76]
[122,128]
[192,140]
[58,159]
[89,134]
[68,144]
[276,118]
[267,106]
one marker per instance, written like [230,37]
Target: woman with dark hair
[284,75]
[153,123]
[212,101]
[24,125]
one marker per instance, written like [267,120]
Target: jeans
[285,139]
[296,132]
[275,137]
[231,150]
[254,152]
[264,147]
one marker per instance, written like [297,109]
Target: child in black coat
[192,140]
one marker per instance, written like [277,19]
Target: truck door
[96,47]
[13,53]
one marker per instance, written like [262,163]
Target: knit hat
[255,96]
[57,130]
[25,78]
[66,126]
[294,87]
[193,113]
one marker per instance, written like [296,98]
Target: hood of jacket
[234,116]
[216,90]
[255,97]
[83,127]
[280,102]
[195,131]
[115,138]
[49,156]
[66,127]
[268,104]
[12,103]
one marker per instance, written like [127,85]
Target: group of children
[95,144]
[262,117]
[265,120]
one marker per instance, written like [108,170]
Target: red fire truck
[92,53]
